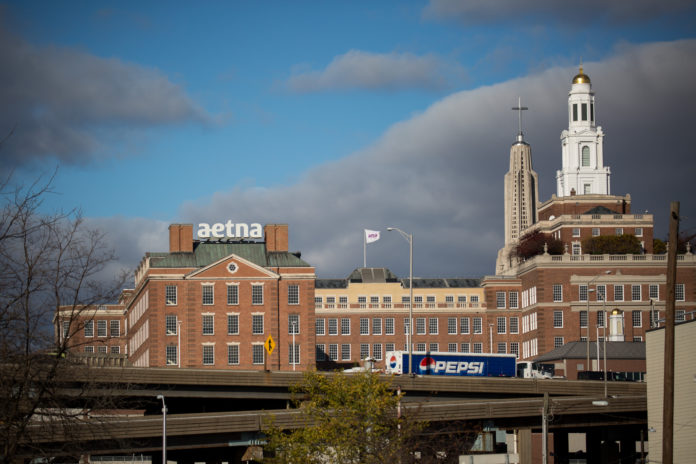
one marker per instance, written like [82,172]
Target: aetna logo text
[230,230]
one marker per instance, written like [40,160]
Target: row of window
[208,324]
[114,328]
[375,350]
[386,301]
[638,231]
[103,349]
[386,326]
[208,296]
[636,292]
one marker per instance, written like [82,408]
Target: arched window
[585,156]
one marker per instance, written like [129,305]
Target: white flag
[371,236]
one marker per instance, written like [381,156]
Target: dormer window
[585,156]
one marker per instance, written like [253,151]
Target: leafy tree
[345,418]
[612,245]
[659,246]
[532,244]
[47,261]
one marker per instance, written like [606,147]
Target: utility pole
[545,429]
[668,398]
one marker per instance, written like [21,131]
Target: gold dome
[581,78]
[616,312]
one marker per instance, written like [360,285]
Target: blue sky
[335,116]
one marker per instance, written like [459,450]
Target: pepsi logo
[427,364]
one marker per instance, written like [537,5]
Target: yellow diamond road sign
[270,344]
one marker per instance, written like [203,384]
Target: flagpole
[364,248]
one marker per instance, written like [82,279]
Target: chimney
[276,236]
[181,238]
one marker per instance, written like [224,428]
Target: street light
[164,429]
[604,297]
[409,239]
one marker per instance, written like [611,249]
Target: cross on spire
[519,108]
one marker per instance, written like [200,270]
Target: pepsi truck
[453,364]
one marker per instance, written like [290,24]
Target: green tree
[612,245]
[344,418]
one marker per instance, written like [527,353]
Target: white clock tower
[583,171]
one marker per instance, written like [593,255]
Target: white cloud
[439,175]
[373,71]
[74,106]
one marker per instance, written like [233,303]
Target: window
[209,355]
[89,328]
[374,302]
[638,339]
[513,299]
[257,325]
[233,324]
[345,352]
[207,294]
[514,325]
[595,231]
[345,326]
[464,347]
[293,353]
[407,324]
[500,300]
[452,326]
[208,325]
[257,354]
[376,326]
[576,231]
[618,293]
[333,352]
[680,315]
[89,349]
[474,298]
[502,325]
[172,359]
[66,329]
[101,349]
[433,325]
[364,350]
[449,300]
[585,150]
[434,347]
[601,292]
[558,319]
[420,326]
[478,347]
[639,231]
[515,348]
[257,295]
[600,318]
[293,294]
[583,319]
[451,347]
[389,347]
[477,325]
[387,301]
[619,231]
[333,326]
[330,302]
[115,349]
[575,111]
[577,248]
[464,325]
[502,348]
[293,324]
[584,114]
[101,328]
[582,293]
[170,294]
[637,318]
[364,326]
[679,293]
[362,301]
[317,302]
[115,328]
[654,291]
[319,327]
[635,293]
[170,324]
[420,346]
[389,326]
[557,342]
[320,352]
[233,294]
[232,354]
[343,302]
[557,292]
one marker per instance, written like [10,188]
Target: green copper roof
[205,253]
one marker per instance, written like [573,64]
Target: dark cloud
[358,69]
[74,106]
[439,175]
[477,11]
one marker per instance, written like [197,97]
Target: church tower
[583,171]
[521,188]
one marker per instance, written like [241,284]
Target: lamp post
[604,297]
[409,239]
[164,429]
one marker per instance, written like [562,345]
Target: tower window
[584,111]
[591,111]
[585,156]
[575,111]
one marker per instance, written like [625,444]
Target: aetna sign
[230,230]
